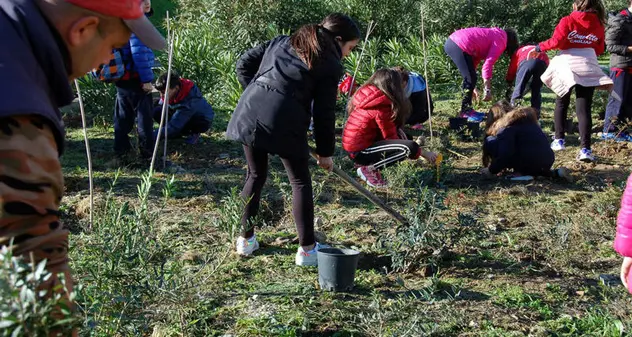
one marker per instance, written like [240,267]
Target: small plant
[229,219]
[26,309]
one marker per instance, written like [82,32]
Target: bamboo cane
[88,154]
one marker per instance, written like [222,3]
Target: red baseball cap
[131,12]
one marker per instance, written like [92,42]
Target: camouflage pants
[31,187]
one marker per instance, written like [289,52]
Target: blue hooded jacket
[139,60]
[193,104]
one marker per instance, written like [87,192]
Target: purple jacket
[623,240]
[482,44]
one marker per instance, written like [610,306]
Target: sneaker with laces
[585,155]
[558,145]
[245,247]
[473,116]
[309,258]
[192,139]
[372,176]
[617,137]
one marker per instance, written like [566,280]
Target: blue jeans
[619,104]
[132,104]
[530,70]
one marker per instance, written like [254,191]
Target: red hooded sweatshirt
[578,30]
[370,121]
[522,54]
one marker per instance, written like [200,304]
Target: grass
[499,259]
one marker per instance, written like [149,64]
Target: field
[481,258]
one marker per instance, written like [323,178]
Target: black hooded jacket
[618,38]
[281,95]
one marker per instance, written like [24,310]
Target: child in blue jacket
[133,98]
[189,113]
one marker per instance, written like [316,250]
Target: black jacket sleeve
[324,110]
[506,149]
[614,33]
[248,64]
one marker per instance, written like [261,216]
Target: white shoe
[586,156]
[245,247]
[558,145]
[310,258]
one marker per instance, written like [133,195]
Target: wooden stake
[423,44]
[372,197]
[164,108]
[87,142]
[369,30]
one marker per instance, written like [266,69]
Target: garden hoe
[372,197]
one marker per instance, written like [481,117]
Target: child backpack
[113,70]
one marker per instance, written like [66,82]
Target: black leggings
[465,64]
[387,152]
[583,105]
[302,199]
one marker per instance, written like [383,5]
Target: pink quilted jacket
[623,241]
[486,44]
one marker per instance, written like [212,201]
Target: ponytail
[311,41]
[306,44]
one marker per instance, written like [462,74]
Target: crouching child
[516,142]
[189,114]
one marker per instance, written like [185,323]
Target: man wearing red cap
[44,44]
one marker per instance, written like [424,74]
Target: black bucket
[475,129]
[457,123]
[336,268]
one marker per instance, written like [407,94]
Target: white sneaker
[245,247]
[586,156]
[558,145]
[310,258]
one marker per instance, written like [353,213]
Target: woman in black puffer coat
[281,78]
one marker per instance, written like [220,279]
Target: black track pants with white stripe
[387,152]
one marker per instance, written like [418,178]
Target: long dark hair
[512,41]
[592,6]
[501,118]
[390,82]
[311,41]
[497,111]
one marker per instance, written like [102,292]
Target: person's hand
[147,87]
[625,270]
[326,163]
[629,49]
[488,96]
[431,157]
[485,172]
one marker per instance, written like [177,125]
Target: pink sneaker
[418,126]
[372,176]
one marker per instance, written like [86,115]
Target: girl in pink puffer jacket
[467,48]
[623,240]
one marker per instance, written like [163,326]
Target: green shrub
[25,310]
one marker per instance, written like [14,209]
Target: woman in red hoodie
[580,38]
[373,135]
